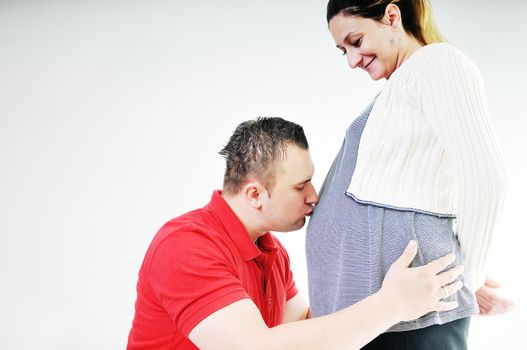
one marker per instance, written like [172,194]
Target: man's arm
[406,294]
[296,309]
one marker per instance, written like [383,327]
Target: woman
[420,162]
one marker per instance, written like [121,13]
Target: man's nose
[313,196]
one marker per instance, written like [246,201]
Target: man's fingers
[440,264]
[446,306]
[408,255]
[450,289]
[450,275]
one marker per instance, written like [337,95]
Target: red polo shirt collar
[237,232]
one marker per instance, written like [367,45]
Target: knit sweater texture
[429,147]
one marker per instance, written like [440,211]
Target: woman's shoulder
[438,48]
[442,53]
[442,59]
[424,59]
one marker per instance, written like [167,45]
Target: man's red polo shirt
[199,263]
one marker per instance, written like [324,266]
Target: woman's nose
[354,59]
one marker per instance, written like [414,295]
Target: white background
[112,114]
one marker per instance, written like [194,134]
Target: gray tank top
[350,246]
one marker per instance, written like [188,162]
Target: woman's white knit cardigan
[428,146]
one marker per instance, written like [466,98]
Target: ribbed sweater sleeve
[454,103]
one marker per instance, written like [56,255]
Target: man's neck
[246,215]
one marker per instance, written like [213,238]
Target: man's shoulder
[195,229]
[196,220]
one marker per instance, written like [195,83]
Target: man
[216,278]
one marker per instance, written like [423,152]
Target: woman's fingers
[489,282]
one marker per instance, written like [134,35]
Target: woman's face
[368,44]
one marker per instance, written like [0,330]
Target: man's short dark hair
[254,147]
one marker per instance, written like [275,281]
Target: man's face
[292,197]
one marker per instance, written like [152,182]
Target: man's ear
[254,193]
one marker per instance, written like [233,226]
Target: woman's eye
[357,42]
[343,52]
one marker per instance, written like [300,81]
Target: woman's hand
[490,303]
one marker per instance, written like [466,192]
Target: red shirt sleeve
[192,279]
